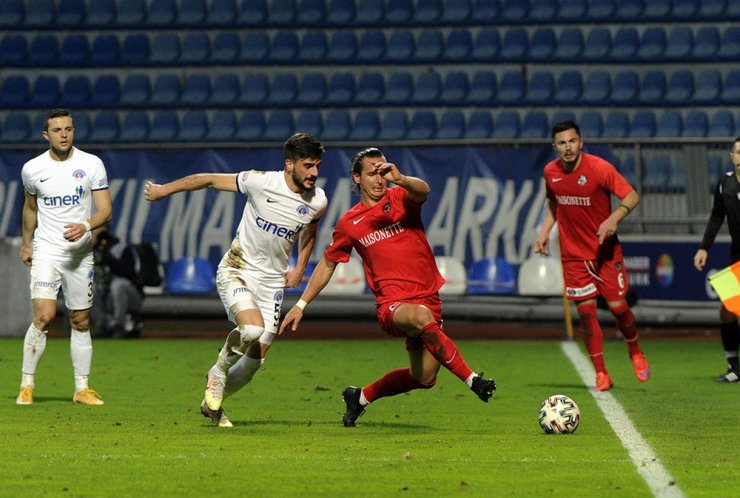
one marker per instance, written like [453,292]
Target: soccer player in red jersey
[386,230]
[579,188]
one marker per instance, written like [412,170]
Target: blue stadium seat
[226,49]
[370,12]
[540,90]
[251,126]
[535,125]
[221,13]
[255,89]
[399,88]
[429,46]
[71,13]
[626,42]
[716,170]
[76,91]
[136,90]
[590,124]
[104,51]
[12,13]
[514,11]
[573,10]
[314,47]
[280,125]
[597,88]
[696,124]
[105,128]
[44,50]
[190,276]
[161,13]
[401,46]
[731,88]
[625,88]
[312,89]
[283,89]
[569,88]
[570,45]
[542,45]
[252,13]
[131,13]
[135,49]
[281,12]
[543,11]
[166,90]
[486,11]
[616,125]
[196,91]
[427,89]
[670,124]
[451,125]
[222,127]
[135,128]
[729,47]
[13,50]
[366,126]
[255,47]
[399,12]
[370,89]
[16,91]
[657,174]
[165,49]
[428,12]
[46,91]
[75,50]
[455,88]
[487,45]
[680,43]
[559,116]
[512,89]
[192,13]
[680,88]
[341,89]
[629,10]
[340,13]
[342,47]
[82,126]
[657,10]
[456,12]
[395,125]
[284,47]
[372,46]
[598,45]
[491,276]
[652,44]
[706,44]
[480,125]
[40,13]
[337,124]
[684,10]
[459,45]
[507,125]
[642,125]
[196,49]
[165,126]
[194,127]
[310,121]
[311,13]
[106,91]
[423,126]
[652,88]
[600,10]
[483,88]
[722,124]
[515,44]
[16,128]
[711,10]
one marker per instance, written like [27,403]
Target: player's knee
[421,317]
[250,333]
[587,309]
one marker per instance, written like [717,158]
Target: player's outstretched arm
[30,218]
[319,278]
[219,181]
[306,243]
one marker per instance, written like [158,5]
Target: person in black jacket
[726,205]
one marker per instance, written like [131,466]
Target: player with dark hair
[282,207]
[726,205]
[579,188]
[386,230]
[61,187]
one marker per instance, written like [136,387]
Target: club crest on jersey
[582,180]
[278,296]
[90,274]
[79,174]
[302,210]
[386,207]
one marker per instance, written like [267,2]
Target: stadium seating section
[148,71]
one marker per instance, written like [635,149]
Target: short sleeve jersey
[583,202]
[273,218]
[63,191]
[389,237]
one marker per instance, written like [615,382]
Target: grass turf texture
[288,440]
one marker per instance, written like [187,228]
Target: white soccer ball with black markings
[559,415]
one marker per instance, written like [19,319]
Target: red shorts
[388,310]
[589,278]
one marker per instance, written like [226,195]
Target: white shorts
[238,293]
[74,277]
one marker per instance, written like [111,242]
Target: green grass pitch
[150,439]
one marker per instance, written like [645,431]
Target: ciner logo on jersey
[277,230]
[65,200]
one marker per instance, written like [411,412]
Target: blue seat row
[375,88]
[373,46]
[73,14]
[364,125]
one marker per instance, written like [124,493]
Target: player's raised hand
[389,172]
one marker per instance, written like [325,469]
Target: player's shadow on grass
[292,423]
[47,399]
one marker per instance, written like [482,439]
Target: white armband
[87,226]
[301,304]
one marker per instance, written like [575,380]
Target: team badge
[393,306]
[619,266]
[79,174]
[302,210]
[582,180]
[386,207]
[278,296]
[90,274]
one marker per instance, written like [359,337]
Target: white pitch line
[648,465]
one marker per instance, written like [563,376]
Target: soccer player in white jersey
[282,207]
[61,186]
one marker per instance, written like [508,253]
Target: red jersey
[583,199]
[389,237]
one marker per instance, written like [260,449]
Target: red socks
[445,351]
[593,337]
[394,382]
[626,325]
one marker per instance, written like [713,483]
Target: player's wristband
[301,304]
[626,208]
[87,226]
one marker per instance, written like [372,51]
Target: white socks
[34,345]
[81,350]
[241,374]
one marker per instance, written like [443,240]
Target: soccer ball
[559,415]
